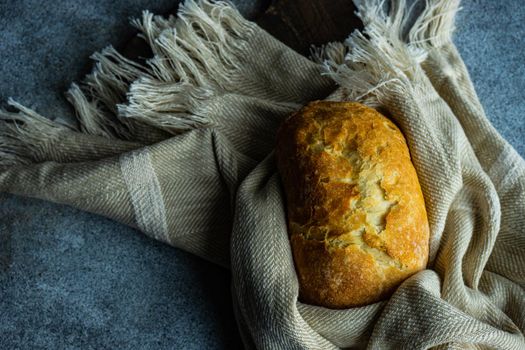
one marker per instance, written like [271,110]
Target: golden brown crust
[356,213]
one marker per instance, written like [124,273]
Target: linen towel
[181,148]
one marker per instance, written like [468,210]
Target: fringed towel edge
[391,53]
[24,133]
[195,56]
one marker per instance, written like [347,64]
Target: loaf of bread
[356,214]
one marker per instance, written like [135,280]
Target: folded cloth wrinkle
[181,147]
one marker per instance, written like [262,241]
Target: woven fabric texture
[181,147]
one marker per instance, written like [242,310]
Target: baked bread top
[356,213]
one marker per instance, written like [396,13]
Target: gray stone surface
[69,279]
[491,38]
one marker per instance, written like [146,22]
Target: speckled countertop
[69,279]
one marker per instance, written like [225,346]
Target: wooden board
[302,23]
[297,23]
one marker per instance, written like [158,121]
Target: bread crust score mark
[356,214]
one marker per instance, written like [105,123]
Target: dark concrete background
[73,280]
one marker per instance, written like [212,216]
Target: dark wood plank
[297,23]
[302,23]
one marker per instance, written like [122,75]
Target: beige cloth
[181,148]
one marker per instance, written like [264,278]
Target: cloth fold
[181,148]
